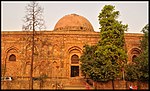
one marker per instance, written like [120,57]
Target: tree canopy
[141,66]
[109,55]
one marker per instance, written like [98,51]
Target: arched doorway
[74,65]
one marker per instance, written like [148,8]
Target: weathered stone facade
[54,50]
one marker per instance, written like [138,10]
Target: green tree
[144,41]
[111,45]
[131,72]
[110,55]
[141,66]
[142,59]
[87,59]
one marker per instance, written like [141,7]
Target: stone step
[76,83]
[76,87]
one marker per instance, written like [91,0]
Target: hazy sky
[133,13]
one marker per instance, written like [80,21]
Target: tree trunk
[95,85]
[113,84]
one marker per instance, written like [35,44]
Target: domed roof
[73,22]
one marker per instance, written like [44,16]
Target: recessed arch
[11,54]
[75,48]
[12,48]
[74,53]
[133,53]
[135,50]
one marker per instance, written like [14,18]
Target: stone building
[57,52]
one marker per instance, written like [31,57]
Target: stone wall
[47,83]
[50,84]
[56,47]
[120,85]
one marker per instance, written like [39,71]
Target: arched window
[135,52]
[74,59]
[133,58]
[12,57]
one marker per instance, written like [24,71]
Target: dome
[73,22]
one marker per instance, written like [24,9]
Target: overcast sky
[133,13]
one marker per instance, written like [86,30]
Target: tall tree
[111,52]
[33,20]
[109,55]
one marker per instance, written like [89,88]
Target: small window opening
[12,57]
